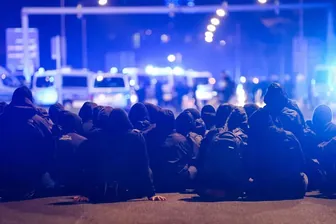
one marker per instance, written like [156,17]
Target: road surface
[177,209]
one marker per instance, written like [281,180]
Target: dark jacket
[26,145]
[86,113]
[119,155]
[139,117]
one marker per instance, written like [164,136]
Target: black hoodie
[139,117]
[26,143]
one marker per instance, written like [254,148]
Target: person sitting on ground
[322,123]
[139,117]
[54,114]
[68,168]
[276,160]
[169,154]
[153,111]
[100,121]
[208,115]
[222,172]
[26,147]
[120,168]
[86,114]
[185,125]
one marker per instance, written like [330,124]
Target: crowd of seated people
[104,154]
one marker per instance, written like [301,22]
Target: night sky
[113,33]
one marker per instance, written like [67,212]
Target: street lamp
[215,21]
[102,2]
[262,1]
[221,12]
[211,28]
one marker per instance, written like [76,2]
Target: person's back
[26,145]
[139,117]
[86,114]
[322,123]
[278,161]
[68,151]
[208,115]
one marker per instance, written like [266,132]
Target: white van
[67,86]
[8,84]
[111,90]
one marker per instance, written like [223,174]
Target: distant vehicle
[203,83]
[111,90]
[8,84]
[149,77]
[324,83]
[67,86]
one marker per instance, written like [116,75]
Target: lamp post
[63,39]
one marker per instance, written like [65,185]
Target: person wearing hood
[139,117]
[222,114]
[86,113]
[153,112]
[277,161]
[26,146]
[322,123]
[200,127]
[100,121]
[68,168]
[121,170]
[54,114]
[250,108]
[170,155]
[276,101]
[208,115]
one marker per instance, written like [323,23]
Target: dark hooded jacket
[277,158]
[223,112]
[55,114]
[170,154]
[26,144]
[139,117]
[100,121]
[200,127]
[70,144]
[121,157]
[323,126]
[86,113]
[250,108]
[208,115]
[3,105]
[153,112]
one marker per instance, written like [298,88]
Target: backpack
[223,159]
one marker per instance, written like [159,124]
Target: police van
[111,90]
[8,84]
[67,86]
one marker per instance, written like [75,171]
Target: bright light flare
[132,82]
[221,12]
[114,70]
[178,71]
[242,79]
[211,28]
[262,1]
[99,78]
[208,39]
[171,58]
[209,34]
[215,21]
[255,80]
[102,2]
[212,81]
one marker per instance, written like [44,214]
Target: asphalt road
[177,209]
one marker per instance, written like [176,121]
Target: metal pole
[237,73]
[331,42]
[84,44]
[63,36]
[25,40]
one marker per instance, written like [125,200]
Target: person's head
[153,112]
[222,114]
[322,116]
[260,121]
[95,113]
[118,122]
[3,105]
[21,95]
[208,115]
[250,108]
[86,111]
[70,122]
[165,122]
[275,97]
[194,112]
[103,118]
[237,119]
[54,112]
[138,113]
[185,123]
